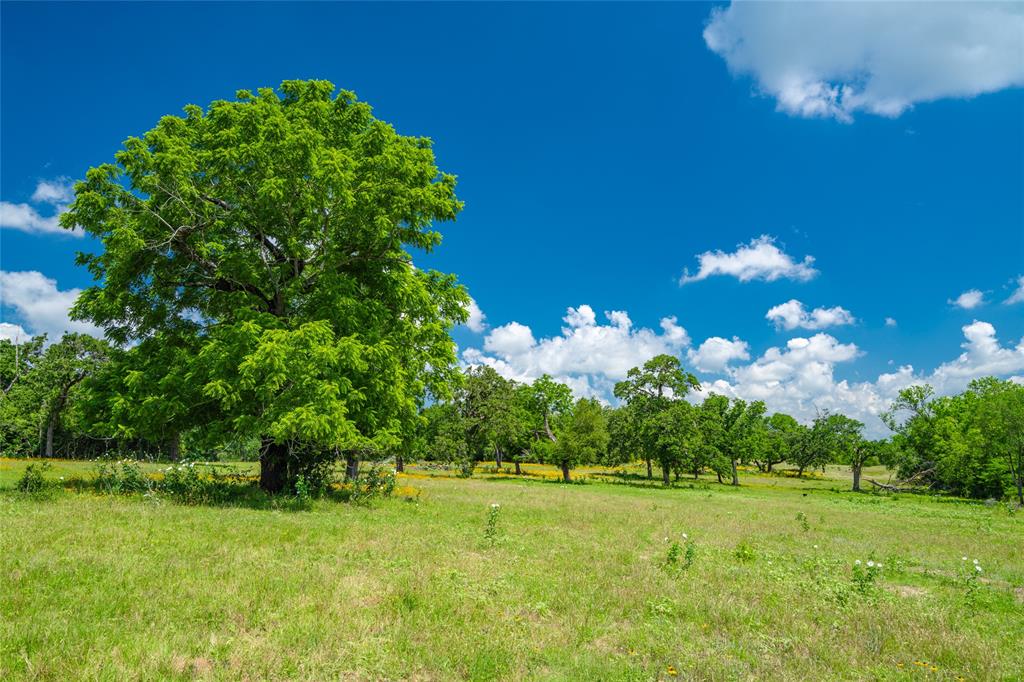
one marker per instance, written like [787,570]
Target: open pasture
[588,581]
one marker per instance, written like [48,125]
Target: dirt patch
[908,590]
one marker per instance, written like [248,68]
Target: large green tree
[276,231]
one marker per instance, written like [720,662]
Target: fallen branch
[891,488]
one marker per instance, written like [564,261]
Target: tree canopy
[272,236]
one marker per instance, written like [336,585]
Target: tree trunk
[49,434]
[174,447]
[273,467]
[351,466]
[650,474]
[800,471]
[719,473]
[497,456]
[856,478]
[735,474]
[769,468]
[664,475]
[399,464]
[696,474]
[519,471]
[565,471]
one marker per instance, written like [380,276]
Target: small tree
[582,437]
[1001,418]
[651,391]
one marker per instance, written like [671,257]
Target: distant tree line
[83,397]
[971,444]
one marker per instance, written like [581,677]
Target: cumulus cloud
[40,305]
[890,322]
[54,195]
[1018,295]
[834,59]
[13,332]
[800,378]
[792,315]
[715,354]
[588,355]
[968,300]
[983,356]
[761,259]
[477,320]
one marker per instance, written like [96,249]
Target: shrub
[375,482]
[33,480]
[121,477]
[187,484]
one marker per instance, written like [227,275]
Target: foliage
[582,436]
[270,235]
[969,444]
[34,479]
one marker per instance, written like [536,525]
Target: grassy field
[574,585]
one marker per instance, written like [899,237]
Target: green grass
[573,588]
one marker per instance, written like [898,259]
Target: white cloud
[40,305]
[715,354]
[890,322]
[588,356]
[477,320]
[761,259]
[799,379]
[968,300]
[1018,295]
[55,194]
[982,356]
[792,315]
[837,58]
[13,332]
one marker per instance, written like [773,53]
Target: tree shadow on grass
[223,492]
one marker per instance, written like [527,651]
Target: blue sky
[601,149]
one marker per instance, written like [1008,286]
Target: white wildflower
[977,568]
[857,562]
[871,564]
[975,562]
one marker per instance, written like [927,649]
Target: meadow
[610,578]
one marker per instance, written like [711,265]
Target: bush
[189,485]
[33,480]
[121,477]
[376,482]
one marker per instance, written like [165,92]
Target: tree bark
[565,471]
[497,456]
[174,447]
[50,424]
[399,464]
[650,473]
[800,471]
[664,475]
[519,471]
[856,478]
[273,467]
[351,466]
[719,473]
[735,474]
